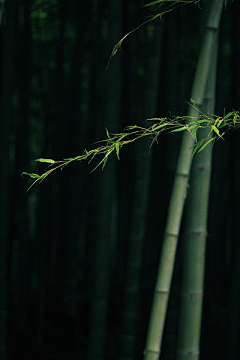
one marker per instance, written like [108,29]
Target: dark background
[64,245]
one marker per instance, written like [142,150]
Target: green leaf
[104,161]
[218,122]
[108,135]
[162,1]
[194,133]
[205,144]
[196,147]
[228,115]
[179,129]
[215,129]
[48,161]
[235,119]
[202,121]
[193,103]
[117,150]
[33,176]
[154,3]
[158,127]
[131,127]
[154,119]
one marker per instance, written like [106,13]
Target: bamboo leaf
[154,119]
[193,103]
[155,3]
[228,115]
[194,133]
[205,145]
[48,161]
[162,1]
[108,135]
[215,129]
[131,127]
[235,119]
[196,147]
[203,121]
[158,127]
[218,122]
[180,129]
[32,175]
[117,150]
[104,161]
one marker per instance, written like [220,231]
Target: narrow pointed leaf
[108,135]
[32,175]
[104,162]
[117,150]
[202,121]
[228,115]
[205,144]
[48,161]
[215,129]
[194,133]
[235,119]
[180,129]
[153,3]
[162,1]
[158,127]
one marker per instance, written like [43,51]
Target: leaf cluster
[170,6]
[217,126]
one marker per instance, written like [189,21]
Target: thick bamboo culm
[177,201]
[195,235]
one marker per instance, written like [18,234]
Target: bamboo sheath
[166,264]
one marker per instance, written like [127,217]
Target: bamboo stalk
[1,10]
[130,315]
[166,265]
[195,238]
[6,116]
[104,210]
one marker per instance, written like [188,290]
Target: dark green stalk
[1,10]
[130,316]
[233,330]
[104,207]
[6,90]
[233,313]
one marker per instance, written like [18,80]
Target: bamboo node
[193,294]
[188,353]
[213,28]
[150,351]
[186,175]
[164,292]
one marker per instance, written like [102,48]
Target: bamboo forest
[120,180]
